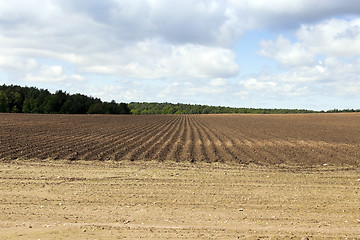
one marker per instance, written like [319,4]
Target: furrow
[146,146]
[133,151]
[73,146]
[62,147]
[243,148]
[166,148]
[70,145]
[160,147]
[108,148]
[189,144]
[218,147]
[35,146]
[198,152]
[41,145]
[183,151]
[124,144]
[237,153]
[177,144]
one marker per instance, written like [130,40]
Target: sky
[301,54]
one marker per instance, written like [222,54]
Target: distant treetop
[170,108]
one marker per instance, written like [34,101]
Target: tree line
[144,108]
[17,99]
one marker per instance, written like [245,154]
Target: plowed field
[309,139]
[190,177]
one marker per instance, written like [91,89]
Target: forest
[16,99]
[145,108]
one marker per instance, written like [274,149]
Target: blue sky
[240,53]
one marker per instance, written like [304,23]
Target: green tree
[167,110]
[136,111]
[111,108]
[27,106]
[15,102]
[123,108]
[32,105]
[51,104]
[96,108]
[77,104]
[4,106]
[206,110]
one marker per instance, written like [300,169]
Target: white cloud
[186,44]
[269,86]
[135,39]
[255,85]
[152,59]
[52,74]
[150,39]
[124,91]
[217,92]
[285,52]
[332,38]
[218,82]
[324,58]
[279,14]
[332,77]
[15,63]
[335,37]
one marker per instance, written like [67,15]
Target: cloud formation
[326,54]
[332,38]
[182,44]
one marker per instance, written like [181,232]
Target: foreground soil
[302,139]
[143,200]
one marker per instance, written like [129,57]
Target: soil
[169,200]
[301,139]
[180,176]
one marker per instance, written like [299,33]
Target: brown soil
[180,177]
[304,139]
[168,200]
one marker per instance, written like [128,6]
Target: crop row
[297,139]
